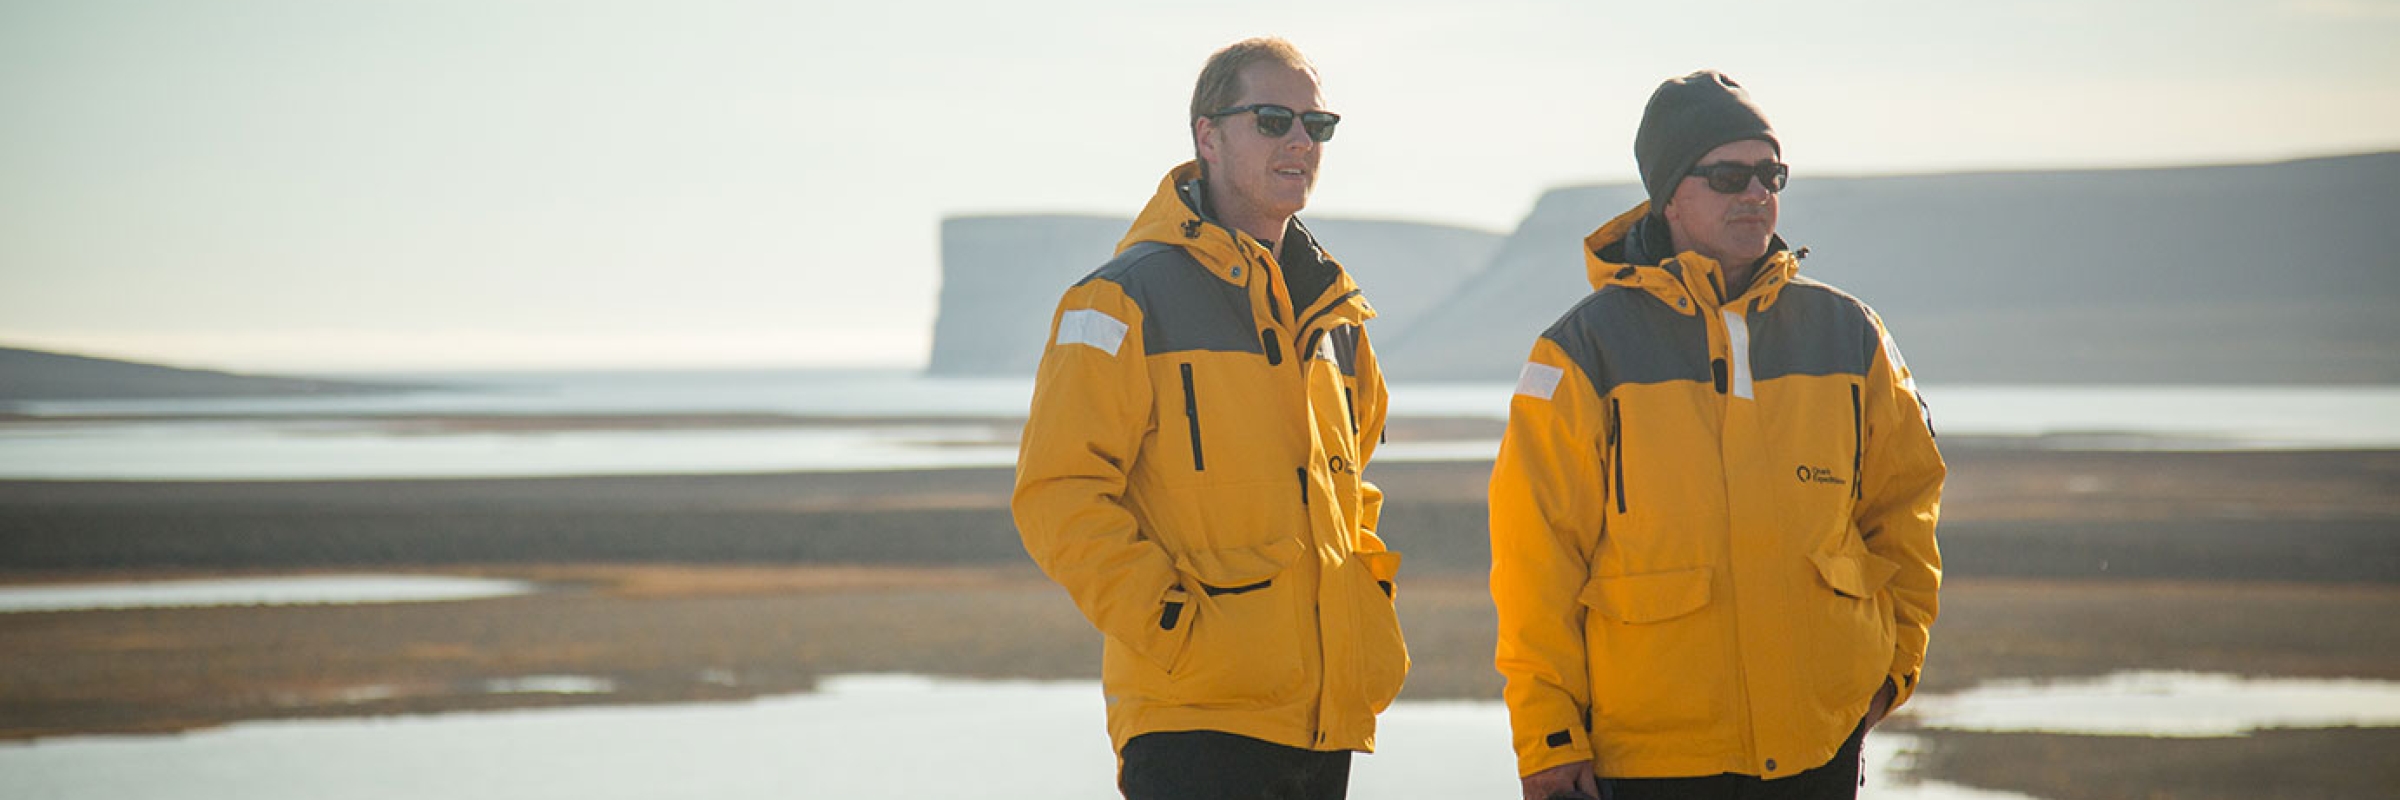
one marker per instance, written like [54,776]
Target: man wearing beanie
[1712,517]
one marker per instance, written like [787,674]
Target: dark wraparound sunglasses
[1274,121]
[1728,177]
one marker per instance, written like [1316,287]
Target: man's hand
[1564,780]
[1881,705]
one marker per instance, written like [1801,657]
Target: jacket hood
[1634,251]
[1177,215]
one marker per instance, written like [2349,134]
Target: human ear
[1207,138]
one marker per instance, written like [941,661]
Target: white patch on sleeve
[1908,380]
[1891,352]
[1089,327]
[1539,380]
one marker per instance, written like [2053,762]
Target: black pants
[1836,780]
[1208,765]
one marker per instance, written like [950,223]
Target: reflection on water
[2164,704]
[2234,416]
[267,448]
[1432,451]
[550,684]
[860,737]
[298,590]
[303,438]
[910,737]
[309,450]
[366,449]
[806,392]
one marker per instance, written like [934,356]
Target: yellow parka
[1190,473]
[1712,521]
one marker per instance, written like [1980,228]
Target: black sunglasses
[1274,121]
[1734,178]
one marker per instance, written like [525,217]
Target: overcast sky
[334,186]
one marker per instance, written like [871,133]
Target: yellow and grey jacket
[1712,521]
[1190,474]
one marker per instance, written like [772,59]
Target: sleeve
[1546,519]
[1900,499]
[1091,410]
[1372,406]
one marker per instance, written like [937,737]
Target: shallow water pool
[274,591]
[895,736]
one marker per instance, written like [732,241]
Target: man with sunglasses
[1190,469]
[1712,516]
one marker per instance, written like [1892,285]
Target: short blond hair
[1221,78]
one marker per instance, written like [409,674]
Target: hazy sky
[323,185]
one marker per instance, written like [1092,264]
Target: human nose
[1297,137]
[1754,188]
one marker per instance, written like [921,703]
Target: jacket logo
[1338,465]
[1822,475]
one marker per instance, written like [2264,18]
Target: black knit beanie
[1686,118]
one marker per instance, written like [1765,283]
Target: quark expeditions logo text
[1809,474]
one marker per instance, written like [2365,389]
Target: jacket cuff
[1557,748]
[1905,682]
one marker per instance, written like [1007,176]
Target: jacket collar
[1633,251]
[1177,215]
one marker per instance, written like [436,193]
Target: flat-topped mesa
[1002,277]
[2269,273]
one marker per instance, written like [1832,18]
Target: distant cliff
[2273,273]
[1002,277]
[34,375]
[2277,273]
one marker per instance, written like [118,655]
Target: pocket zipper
[1858,443]
[1616,451]
[1191,413]
[1218,591]
[1352,405]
